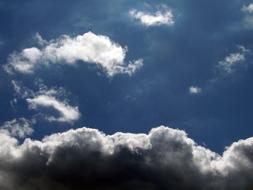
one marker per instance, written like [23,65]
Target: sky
[126,94]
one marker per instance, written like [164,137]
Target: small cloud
[248,10]
[20,128]
[67,113]
[163,16]
[229,63]
[54,98]
[195,90]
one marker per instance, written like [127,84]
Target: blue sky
[175,57]
[128,66]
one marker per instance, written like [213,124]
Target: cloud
[86,158]
[54,98]
[195,90]
[88,48]
[67,113]
[18,127]
[248,10]
[163,16]
[229,63]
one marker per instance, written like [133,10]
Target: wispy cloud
[229,63]
[20,127]
[248,10]
[163,16]
[67,113]
[51,98]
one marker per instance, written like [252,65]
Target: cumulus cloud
[229,63]
[195,90]
[88,48]
[49,98]
[86,158]
[163,16]
[18,127]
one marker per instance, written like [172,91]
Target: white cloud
[54,98]
[229,63]
[166,154]
[195,90]
[248,10]
[89,47]
[67,113]
[163,16]
[18,127]
[25,61]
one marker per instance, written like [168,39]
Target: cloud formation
[67,113]
[49,98]
[19,128]
[229,63]
[195,90]
[88,48]
[248,10]
[86,158]
[163,16]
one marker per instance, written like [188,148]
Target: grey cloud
[86,158]
[20,127]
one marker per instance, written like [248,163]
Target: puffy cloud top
[89,48]
[86,158]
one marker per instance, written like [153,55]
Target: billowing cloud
[18,127]
[86,158]
[229,63]
[195,90]
[88,48]
[163,16]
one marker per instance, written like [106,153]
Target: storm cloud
[86,158]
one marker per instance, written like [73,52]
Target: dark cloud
[88,159]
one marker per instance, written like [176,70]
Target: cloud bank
[88,48]
[86,158]
[163,16]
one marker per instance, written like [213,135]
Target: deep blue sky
[175,58]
